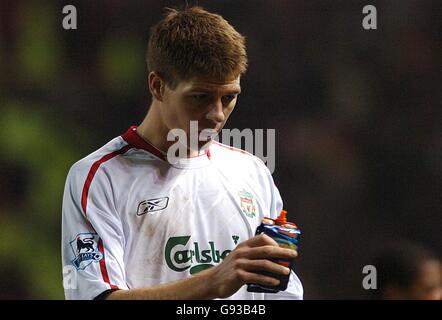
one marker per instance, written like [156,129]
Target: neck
[154,131]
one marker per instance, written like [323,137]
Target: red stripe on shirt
[103,269]
[92,172]
[84,197]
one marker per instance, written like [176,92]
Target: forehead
[210,85]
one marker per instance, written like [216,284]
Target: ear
[156,85]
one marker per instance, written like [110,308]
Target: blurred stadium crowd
[357,116]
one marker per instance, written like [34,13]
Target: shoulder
[239,161]
[227,152]
[237,156]
[93,161]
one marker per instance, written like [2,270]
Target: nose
[216,113]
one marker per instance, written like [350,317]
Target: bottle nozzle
[282,218]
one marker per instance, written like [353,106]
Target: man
[181,229]
[408,271]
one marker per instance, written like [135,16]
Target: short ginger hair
[194,42]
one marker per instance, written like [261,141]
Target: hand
[242,264]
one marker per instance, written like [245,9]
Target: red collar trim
[134,140]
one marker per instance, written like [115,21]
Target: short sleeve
[271,193]
[276,204]
[92,236]
[294,289]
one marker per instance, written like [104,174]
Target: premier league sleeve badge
[85,249]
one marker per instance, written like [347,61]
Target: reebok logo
[152,205]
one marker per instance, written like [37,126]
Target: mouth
[207,134]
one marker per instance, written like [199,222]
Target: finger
[263,265]
[258,241]
[268,252]
[251,277]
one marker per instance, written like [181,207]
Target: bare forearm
[194,288]
[240,267]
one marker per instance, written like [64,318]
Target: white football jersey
[133,220]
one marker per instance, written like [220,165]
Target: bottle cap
[282,218]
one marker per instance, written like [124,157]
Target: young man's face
[428,285]
[208,102]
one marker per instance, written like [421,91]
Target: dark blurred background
[356,113]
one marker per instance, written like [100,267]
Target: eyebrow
[207,90]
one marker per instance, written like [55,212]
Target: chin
[209,134]
[202,145]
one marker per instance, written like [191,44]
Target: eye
[228,98]
[199,96]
